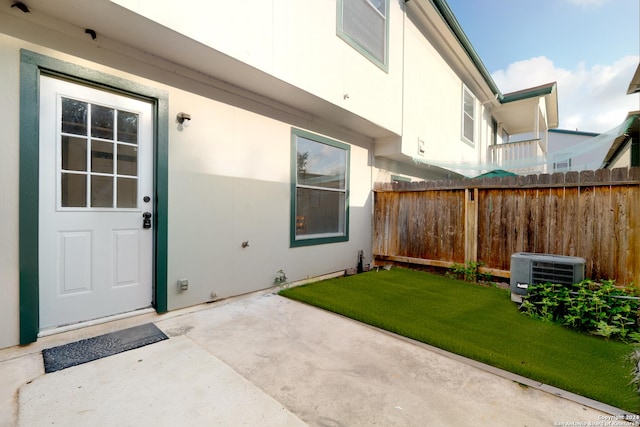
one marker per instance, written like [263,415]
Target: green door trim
[32,65]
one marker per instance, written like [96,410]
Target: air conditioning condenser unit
[532,268]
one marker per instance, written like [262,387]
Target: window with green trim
[364,25]
[320,189]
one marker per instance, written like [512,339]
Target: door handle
[146,220]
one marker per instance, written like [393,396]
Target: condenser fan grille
[552,272]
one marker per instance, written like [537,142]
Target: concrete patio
[265,360]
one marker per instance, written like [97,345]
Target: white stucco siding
[433,110]
[242,29]
[433,103]
[295,42]
[9,191]
[623,160]
[229,177]
[229,182]
[585,151]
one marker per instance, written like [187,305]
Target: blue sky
[590,47]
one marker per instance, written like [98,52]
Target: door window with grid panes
[99,156]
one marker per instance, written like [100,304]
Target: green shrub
[470,271]
[599,308]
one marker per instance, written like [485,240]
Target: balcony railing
[520,157]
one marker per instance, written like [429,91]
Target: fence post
[471,224]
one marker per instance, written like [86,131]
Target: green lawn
[481,323]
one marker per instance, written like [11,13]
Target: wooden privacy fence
[590,214]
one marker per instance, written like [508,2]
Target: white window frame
[464,115]
[382,61]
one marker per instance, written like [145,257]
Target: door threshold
[94,322]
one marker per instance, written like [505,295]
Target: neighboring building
[634,85]
[520,148]
[576,151]
[158,155]
[624,151]
[573,151]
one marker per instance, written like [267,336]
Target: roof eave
[634,85]
[631,123]
[533,92]
[447,15]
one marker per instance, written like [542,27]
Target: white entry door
[96,182]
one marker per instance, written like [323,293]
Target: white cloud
[589,99]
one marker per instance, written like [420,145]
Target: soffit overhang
[121,31]
[518,111]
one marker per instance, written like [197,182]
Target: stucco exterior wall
[229,175]
[9,192]
[229,182]
[623,160]
[433,107]
[294,41]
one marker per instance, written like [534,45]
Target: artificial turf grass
[480,323]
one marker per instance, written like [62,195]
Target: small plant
[470,271]
[606,330]
[635,373]
[281,280]
[597,308]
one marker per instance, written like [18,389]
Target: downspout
[536,121]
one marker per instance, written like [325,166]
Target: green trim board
[293,242]
[28,202]
[533,92]
[32,65]
[447,14]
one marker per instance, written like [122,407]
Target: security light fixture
[184,119]
[23,7]
[91,32]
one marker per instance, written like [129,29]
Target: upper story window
[468,116]
[364,25]
[320,189]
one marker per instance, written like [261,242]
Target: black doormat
[87,350]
